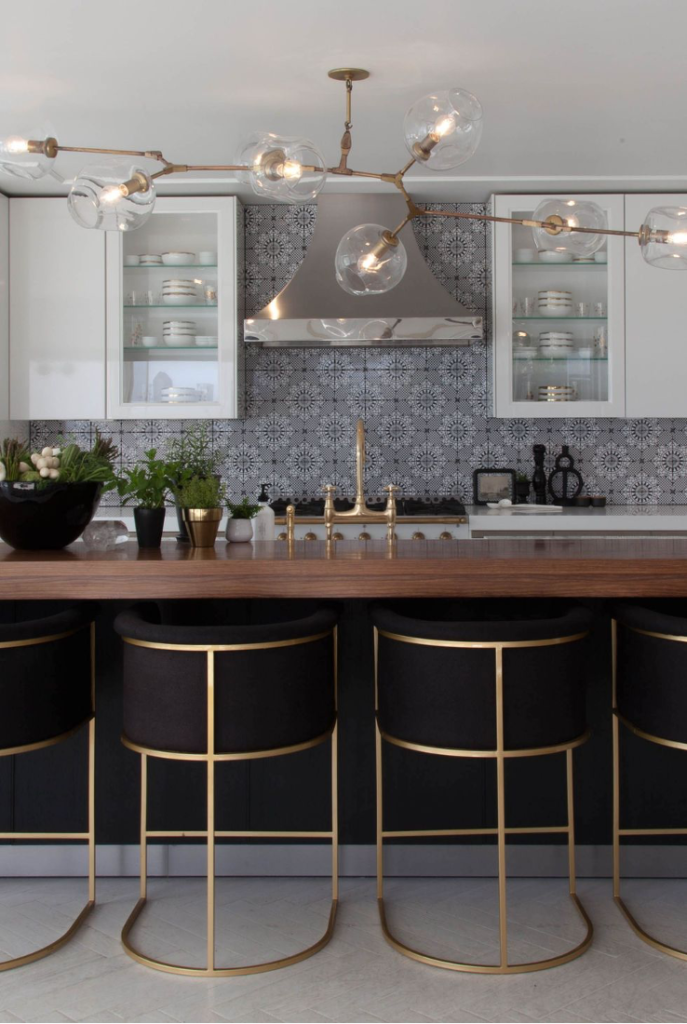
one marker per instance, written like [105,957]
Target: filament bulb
[443,127]
[15,144]
[291,170]
[112,194]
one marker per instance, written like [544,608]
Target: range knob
[310,536]
[282,536]
[338,535]
[364,536]
[418,536]
[445,535]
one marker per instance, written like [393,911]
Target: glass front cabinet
[173,316]
[558,321]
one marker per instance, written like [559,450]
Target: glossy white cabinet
[4,309]
[57,314]
[173,331]
[656,323]
[587,378]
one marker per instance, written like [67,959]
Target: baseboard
[546,861]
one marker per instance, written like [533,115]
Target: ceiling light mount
[442,130]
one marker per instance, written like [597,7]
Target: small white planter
[239,530]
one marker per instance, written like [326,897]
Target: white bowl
[150,257]
[149,341]
[175,259]
[525,352]
[525,256]
[560,313]
[132,261]
[550,256]
[554,293]
[548,352]
[178,323]
[178,334]
[179,341]
[207,258]
[206,342]
[178,300]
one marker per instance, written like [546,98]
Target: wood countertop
[648,567]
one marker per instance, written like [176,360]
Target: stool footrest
[238,835]
[38,954]
[637,928]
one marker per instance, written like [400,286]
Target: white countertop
[625,518]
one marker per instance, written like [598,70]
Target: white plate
[178,300]
[172,259]
[179,342]
[549,256]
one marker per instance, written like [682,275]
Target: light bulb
[663,237]
[369,260]
[31,155]
[443,130]
[282,168]
[112,197]
[564,215]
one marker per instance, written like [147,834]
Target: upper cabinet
[173,296]
[656,328]
[558,322]
[57,314]
[4,307]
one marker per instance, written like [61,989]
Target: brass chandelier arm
[150,154]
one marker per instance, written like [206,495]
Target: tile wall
[426,410]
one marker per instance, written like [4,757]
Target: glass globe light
[282,168]
[369,260]
[114,197]
[28,156]
[663,237]
[443,130]
[574,214]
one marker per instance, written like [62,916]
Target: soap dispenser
[263,524]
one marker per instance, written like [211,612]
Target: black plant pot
[522,492]
[149,525]
[34,518]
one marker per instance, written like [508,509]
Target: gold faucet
[360,512]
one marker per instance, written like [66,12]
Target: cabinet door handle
[364,536]
[445,535]
[418,536]
[310,536]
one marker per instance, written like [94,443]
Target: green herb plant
[146,483]
[94,466]
[194,455]
[522,478]
[200,492]
[13,454]
[242,509]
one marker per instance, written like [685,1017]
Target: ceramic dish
[178,323]
[179,341]
[178,300]
[548,352]
[172,259]
[149,341]
[526,352]
[150,259]
[207,258]
[549,256]
[525,256]
[204,341]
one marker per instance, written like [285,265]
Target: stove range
[441,519]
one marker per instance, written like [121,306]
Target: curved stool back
[650,700]
[47,693]
[492,690]
[227,693]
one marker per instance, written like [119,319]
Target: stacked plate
[179,291]
[557,393]
[179,333]
[555,343]
[171,259]
[206,340]
[551,256]
[178,396]
[150,260]
[553,302]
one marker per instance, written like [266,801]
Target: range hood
[314,311]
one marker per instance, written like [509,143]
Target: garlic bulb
[23,467]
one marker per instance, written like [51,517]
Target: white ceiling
[590,89]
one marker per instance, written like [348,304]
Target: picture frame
[493,484]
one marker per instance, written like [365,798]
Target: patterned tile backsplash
[426,410]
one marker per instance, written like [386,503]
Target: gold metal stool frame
[89,836]
[500,754]
[617,830]
[211,833]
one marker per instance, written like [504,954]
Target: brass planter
[202,525]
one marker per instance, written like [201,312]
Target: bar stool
[494,690]
[227,693]
[649,699]
[47,693]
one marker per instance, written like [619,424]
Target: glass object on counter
[105,535]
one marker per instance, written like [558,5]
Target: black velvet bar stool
[498,690]
[649,699]
[227,693]
[47,694]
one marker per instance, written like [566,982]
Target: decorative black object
[597,501]
[149,525]
[522,491]
[34,518]
[493,485]
[183,532]
[582,501]
[539,475]
[565,482]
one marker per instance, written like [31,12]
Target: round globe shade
[365,264]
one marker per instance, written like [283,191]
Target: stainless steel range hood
[313,311]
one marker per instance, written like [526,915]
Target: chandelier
[441,131]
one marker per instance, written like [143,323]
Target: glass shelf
[563,266]
[170,309]
[170,348]
[563,359]
[598,319]
[177,266]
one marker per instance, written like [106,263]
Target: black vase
[149,526]
[34,518]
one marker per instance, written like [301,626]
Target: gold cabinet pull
[419,535]
[364,536]
[445,535]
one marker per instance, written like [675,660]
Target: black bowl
[33,518]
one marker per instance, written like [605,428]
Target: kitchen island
[588,567]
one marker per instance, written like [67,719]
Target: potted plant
[48,498]
[147,484]
[193,455]
[201,500]
[522,488]
[239,525]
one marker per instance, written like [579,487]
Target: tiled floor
[358,977]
